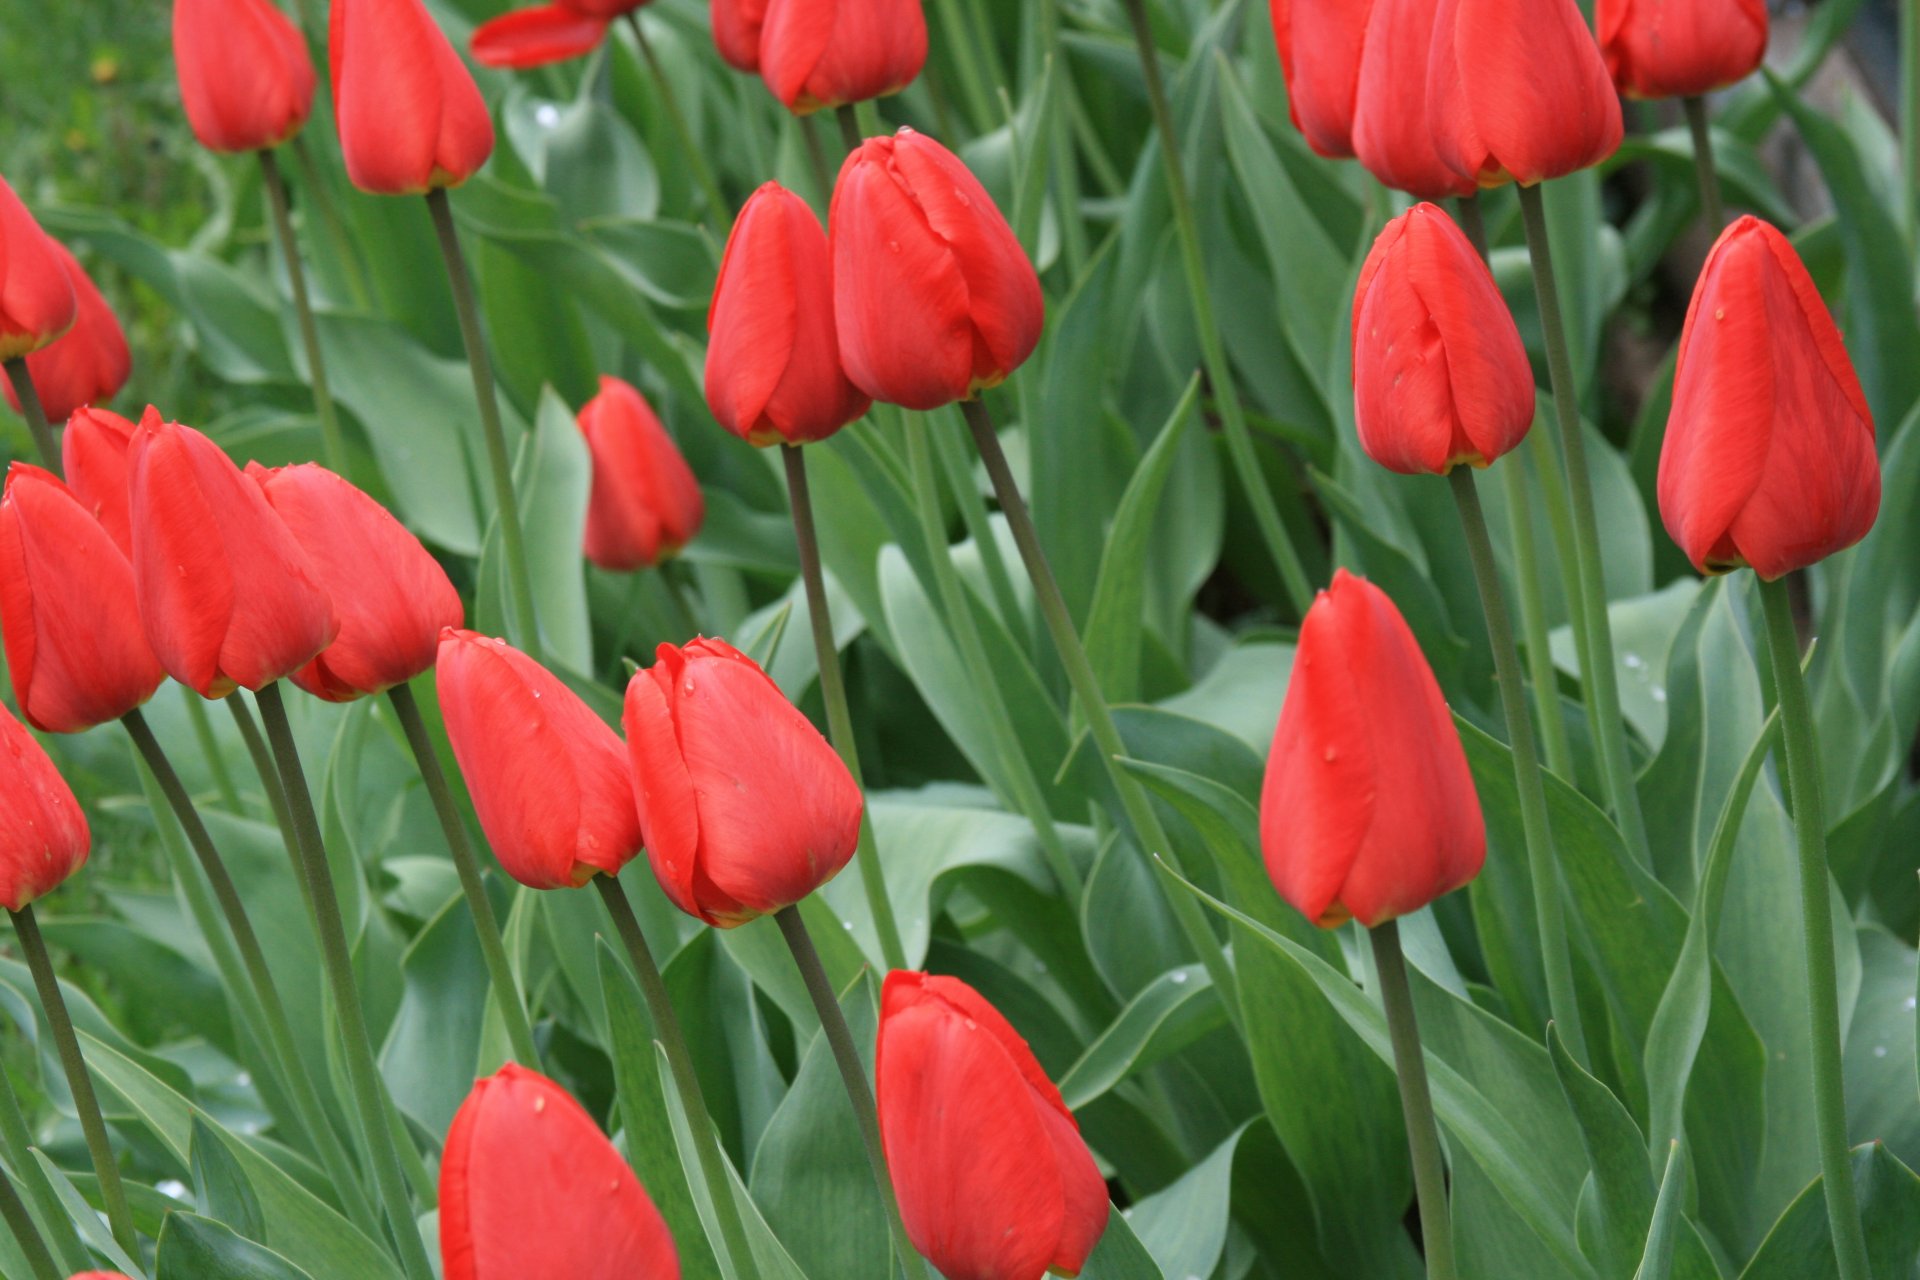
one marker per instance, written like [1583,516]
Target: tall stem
[1416,1102]
[337,959]
[1599,677]
[849,121]
[816,156]
[1910,116]
[833,691]
[1701,126]
[35,413]
[1543,866]
[336,230]
[954,459]
[689,147]
[333,443]
[1816,913]
[16,1143]
[13,1211]
[211,755]
[499,464]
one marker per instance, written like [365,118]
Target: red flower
[1680,48]
[773,368]
[393,599]
[410,116]
[1517,91]
[1320,43]
[934,297]
[736,31]
[90,363]
[645,503]
[1769,458]
[994,1180]
[548,777]
[36,298]
[1439,372]
[745,807]
[530,1189]
[94,455]
[1391,132]
[1369,810]
[827,53]
[228,597]
[245,75]
[43,835]
[537,36]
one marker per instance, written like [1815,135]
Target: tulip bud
[1391,132]
[1517,91]
[827,53]
[1439,372]
[245,75]
[994,1179]
[745,807]
[410,116]
[90,363]
[1680,48]
[43,835]
[530,1189]
[1769,458]
[736,31]
[773,368]
[1369,811]
[645,504]
[228,597]
[36,297]
[392,598]
[1320,43]
[548,777]
[75,647]
[93,453]
[934,297]
[535,37]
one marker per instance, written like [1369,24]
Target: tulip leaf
[1800,1245]
[221,1184]
[1616,1205]
[1184,1226]
[1174,1011]
[196,1248]
[432,1051]
[1120,1255]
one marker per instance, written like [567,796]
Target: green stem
[1701,126]
[35,413]
[833,691]
[263,765]
[1473,222]
[973,510]
[676,585]
[1816,912]
[216,760]
[322,202]
[363,1073]
[1416,1102]
[17,1144]
[695,157]
[817,157]
[850,136]
[1910,116]
[14,1211]
[1542,864]
[332,442]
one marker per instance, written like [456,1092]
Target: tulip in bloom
[645,504]
[1439,372]
[410,116]
[547,33]
[1369,811]
[736,31]
[245,75]
[530,1189]
[229,598]
[36,297]
[827,53]
[90,363]
[1680,48]
[773,368]
[1391,132]
[93,453]
[43,835]
[994,1180]
[1769,459]
[1320,43]
[745,807]
[393,599]
[548,777]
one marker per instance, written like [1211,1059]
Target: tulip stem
[670,102]
[333,444]
[850,136]
[833,691]
[1416,1101]
[1823,1000]
[113,1193]
[262,756]
[1543,865]
[336,231]
[14,1211]
[853,1073]
[686,1081]
[336,955]
[817,157]
[35,413]
[210,753]
[1701,126]
[1599,678]
[17,1144]
[1910,117]
[499,463]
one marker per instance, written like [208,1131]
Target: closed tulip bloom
[745,807]
[1369,811]
[1769,459]
[410,116]
[540,35]
[827,53]
[93,452]
[1320,43]
[994,1180]
[43,835]
[645,504]
[548,777]
[1517,91]
[934,297]
[228,597]
[91,362]
[736,31]
[1680,48]
[531,1189]
[1440,375]
[392,598]
[773,367]
[36,297]
[245,75]
[1392,134]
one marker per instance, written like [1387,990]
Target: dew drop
[1633,661]
[539,1105]
[1180,978]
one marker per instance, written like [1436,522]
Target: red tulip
[410,116]
[1369,811]
[1769,458]
[392,598]
[537,36]
[934,297]
[36,298]
[1439,372]
[75,647]
[745,807]
[1391,132]
[1517,91]
[994,1180]
[773,368]
[43,835]
[1680,48]
[548,777]
[736,31]
[827,53]
[94,455]
[228,597]
[645,503]
[1320,43]
[90,363]
[530,1189]
[99,1275]
[245,74]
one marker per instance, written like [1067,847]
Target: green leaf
[1617,1202]
[196,1248]
[1184,1226]
[1656,1260]
[432,1052]
[1120,1255]
[1800,1246]
[552,477]
[1174,1011]
[222,1185]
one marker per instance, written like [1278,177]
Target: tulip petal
[37,302]
[1490,381]
[1320,45]
[755,316]
[1391,132]
[43,833]
[535,37]
[91,362]
[793,38]
[663,789]
[93,452]
[181,572]
[246,78]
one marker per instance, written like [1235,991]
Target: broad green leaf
[1120,1255]
[1800,1246]
[1618,1199]
[196,1248]
[1174,1011]
[1184,1227]
[432,1051]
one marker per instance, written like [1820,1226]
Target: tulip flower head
[736,32]
[245,75]
[828,53]
[1680,48]
[1369,811]
[1320,43]
[1392,134]
[1769,458]
[547,33]
[645,504]
[410,116]
[36,297]
[43,835]
[93,452]
[91,362]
